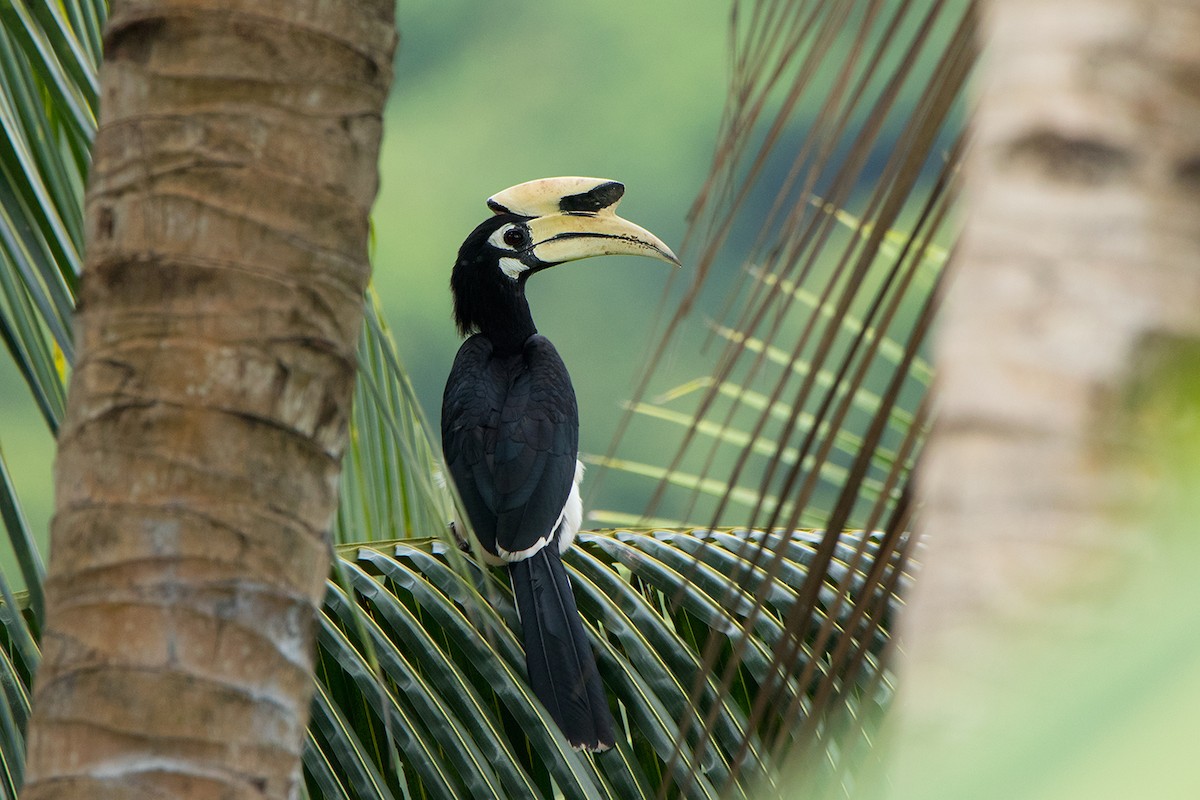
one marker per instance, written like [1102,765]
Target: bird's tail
[558,656]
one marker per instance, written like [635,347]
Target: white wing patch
[572,513]
[569,520]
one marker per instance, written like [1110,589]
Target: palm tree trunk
[1073,306]
[197,471]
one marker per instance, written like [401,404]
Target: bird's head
[537,225]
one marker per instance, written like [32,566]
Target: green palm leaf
[389,487]
[46,124]
[450,695]
[47,120]
[838,160]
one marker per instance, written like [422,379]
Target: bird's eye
[516,237]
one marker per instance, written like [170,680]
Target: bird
[510,424]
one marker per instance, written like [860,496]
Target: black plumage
[510,438]
[510,424]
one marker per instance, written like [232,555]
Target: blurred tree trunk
[227,223]
[1076,301]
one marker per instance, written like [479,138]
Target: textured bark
[1079,259]
[197,471]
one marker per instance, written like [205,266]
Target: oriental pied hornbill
[510,425]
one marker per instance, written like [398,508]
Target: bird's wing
[510,436]
[470,419]
[534,465]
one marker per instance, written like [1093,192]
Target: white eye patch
[503,239]
[497,237]
[508,237]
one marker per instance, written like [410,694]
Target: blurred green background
[486,96]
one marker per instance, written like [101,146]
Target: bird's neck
[508,323]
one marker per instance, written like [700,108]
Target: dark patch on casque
[1069,159]
[594,199]
[499,209]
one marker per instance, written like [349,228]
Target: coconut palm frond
[822,309]
[19,630]
[832,191]
[48,58]
[451,697]
[391,487]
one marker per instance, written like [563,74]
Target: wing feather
[510,436]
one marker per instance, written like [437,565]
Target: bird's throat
[508,323]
